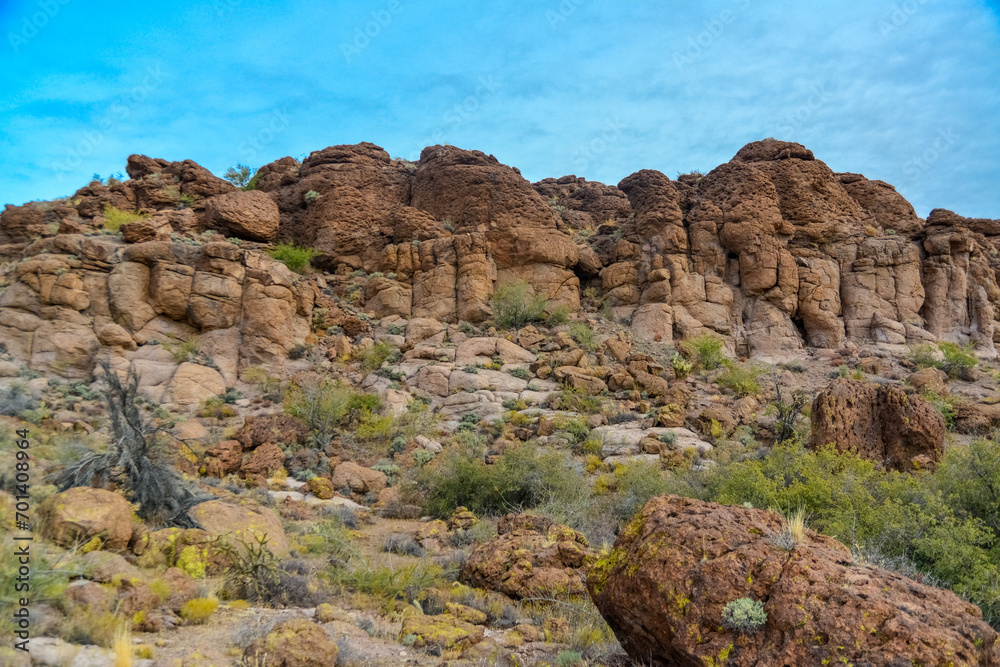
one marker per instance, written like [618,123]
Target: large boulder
[246,522]
[80,514]
[880,422]
[530,557]
[358,479]
[293,643]
[247,215]
[679,562]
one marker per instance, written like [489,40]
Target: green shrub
[391,583]
[575,400]
[959,360]
[941,522]
[294,257]
[943,404]
[583,335]
[522,478]
[741,378]
[515,305]
[705,351]
[322,405]
[744,615]
[114,218]
[520,373]
[373,357]
[924,356]
[557,315]
[254,571]
[183,350]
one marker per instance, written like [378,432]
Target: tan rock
[80,514]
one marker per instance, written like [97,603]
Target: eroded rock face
[878,422]
[678,563]
[74,299]
[531,556]
[772,251]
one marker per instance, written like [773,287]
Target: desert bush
[787,413]
[705,351]
[959,360]
[254,570]
[15,400]
[741,378]
[322,405]
[372,358]
[398,543]
[955,360]
[575,400]
[515,305]
[520,373]
[522,478]
[114,218]
[584,335]
[939,521]
[943,404]
[162,497]
[294,257]
[744,615]
[197,611]
[389,584]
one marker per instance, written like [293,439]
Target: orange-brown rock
[277,428]
[880,422]
[246,215]
[530,557]
[679,562]
[81,514]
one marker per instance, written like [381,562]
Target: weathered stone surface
[530,557]
[676,565]
[246,522]
[357,478]
[877,421]
[247,215]
[81,514]
[278,428]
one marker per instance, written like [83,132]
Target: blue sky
[905,91]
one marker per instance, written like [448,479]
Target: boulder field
[773,251]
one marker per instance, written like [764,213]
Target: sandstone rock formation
[772,251]
[878,422]
[679,562]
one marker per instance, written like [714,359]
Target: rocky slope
[323,360]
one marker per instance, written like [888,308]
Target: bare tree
[163,498]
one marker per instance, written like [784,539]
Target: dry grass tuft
[123,645]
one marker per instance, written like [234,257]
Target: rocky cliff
[772,250]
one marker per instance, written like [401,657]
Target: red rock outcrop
[879,422]
[772,251]
[679,562]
